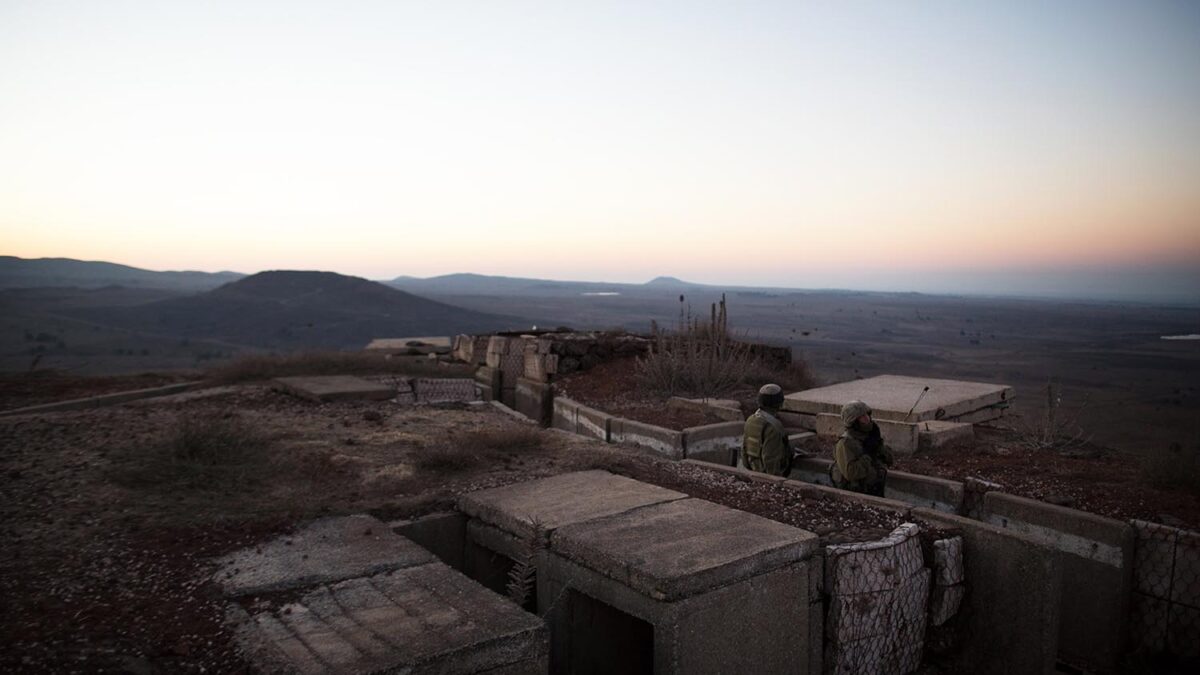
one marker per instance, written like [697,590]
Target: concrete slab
[564,414]
[901,437]
[681,548]
[489,381]
[561,500]
[330,549]
[334,388]
[939,433]
[422,619]
[891,396]
[533,399]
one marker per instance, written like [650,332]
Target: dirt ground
[109,534]
[18,390]
[1087,476]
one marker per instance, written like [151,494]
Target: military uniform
[861,457]
[765,446]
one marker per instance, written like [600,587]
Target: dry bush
[697,358]
[1173,467]
[268,366]
[796,376]
[1052,427]
[216,452]
[477,447]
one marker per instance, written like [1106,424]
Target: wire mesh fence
[1165,609]
[883,598]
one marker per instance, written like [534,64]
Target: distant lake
[1193,336]
[603,293]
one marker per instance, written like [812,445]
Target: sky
[1016,147]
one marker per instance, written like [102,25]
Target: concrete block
[811,470]
[756,625]
[1096,538]
[427,618]
[800,437]
[893,396]
[593,423]
[334,388]
[938,433]
[534,400]
[726,409]
[1185,584]
[901,437]
[944,602]
[925,491]
[490,381]
[564,413]
[1009,620]
[680,548]
[718,443]
[442,534]
[666,442]
[793,420]
[947,561]
[323,551]
[561,500]
[539,367]
[981,416]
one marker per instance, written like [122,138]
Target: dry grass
[697,358]
[477,447]
[266,367]
[219,452]
[1176,466]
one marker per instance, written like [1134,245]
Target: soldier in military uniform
[861,458]
[765,446]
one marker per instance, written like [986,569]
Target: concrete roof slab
[420,619]
[561,500]
[326,550]
[334,388]
[892,396]
[681,548]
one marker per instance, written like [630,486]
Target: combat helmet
[770,396]
[852,411]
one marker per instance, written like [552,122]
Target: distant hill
[480,284]
[57,272]
[292,310]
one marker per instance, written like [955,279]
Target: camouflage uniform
[861,457]
[765,446]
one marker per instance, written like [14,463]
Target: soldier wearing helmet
[861,458]
[765,446]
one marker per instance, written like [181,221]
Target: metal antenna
[919,397]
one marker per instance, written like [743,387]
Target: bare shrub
[476,447]
[268,366]
[214,452]
[1052,427]
[522,576]
[796,376]
[697,358]
[1175,466]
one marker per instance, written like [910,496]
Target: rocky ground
[111,516]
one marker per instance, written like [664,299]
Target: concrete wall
[666,442]
[594,423]
[717,443]
[911,488]
[533,399]
[1097,561]
[1009,618]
